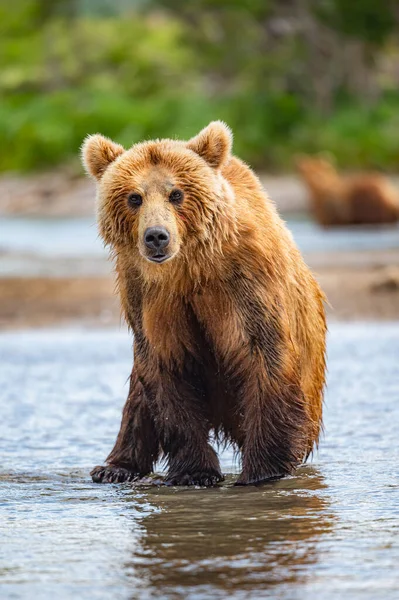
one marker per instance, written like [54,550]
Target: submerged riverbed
[330,532]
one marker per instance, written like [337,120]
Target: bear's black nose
[156,238]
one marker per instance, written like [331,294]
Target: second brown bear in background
[228,321]
[367,198]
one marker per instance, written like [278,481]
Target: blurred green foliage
[159,68]
[370,20]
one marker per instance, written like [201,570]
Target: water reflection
[328,533]
[232,539]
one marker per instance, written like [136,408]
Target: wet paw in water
[244,480]
[201,478]
[113,474]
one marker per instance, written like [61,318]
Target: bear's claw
[202,479]
[113,474]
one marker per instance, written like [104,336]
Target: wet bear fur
[229,330]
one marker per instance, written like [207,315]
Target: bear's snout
[156,240]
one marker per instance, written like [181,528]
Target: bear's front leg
[137,446]
[267,415]
[183,429]
[274,426]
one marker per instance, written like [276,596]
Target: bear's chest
[174,331]
[201,325]
[198,337]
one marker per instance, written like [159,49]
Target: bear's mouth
[158,258]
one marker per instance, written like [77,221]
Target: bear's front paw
[257,479]
[199,478]
[113,474]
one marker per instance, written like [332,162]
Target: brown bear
[228,322]
[353,200]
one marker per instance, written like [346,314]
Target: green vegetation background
[288,76]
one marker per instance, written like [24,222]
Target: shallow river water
[332,531]
[56,247]
[78,236]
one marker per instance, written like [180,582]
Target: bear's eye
[135,200]
[176,196]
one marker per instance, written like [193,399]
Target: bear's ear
[98,152]
[213,144]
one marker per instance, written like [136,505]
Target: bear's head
[316,168]
[161,200]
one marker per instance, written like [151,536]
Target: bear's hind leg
[184,428]
[194,466]
[137,447]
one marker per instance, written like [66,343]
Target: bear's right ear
[98,152]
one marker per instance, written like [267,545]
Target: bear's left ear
[98,152]
[213,144]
